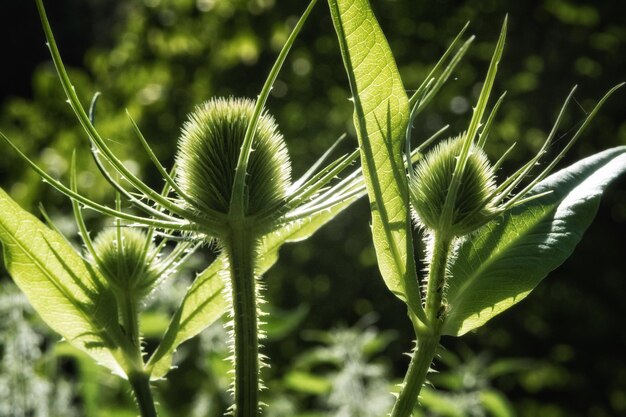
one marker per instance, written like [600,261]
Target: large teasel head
[209,149]
[453,188]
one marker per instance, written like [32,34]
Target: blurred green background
[336,335]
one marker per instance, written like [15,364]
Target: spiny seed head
[430,185]
[126,268]
[209,149]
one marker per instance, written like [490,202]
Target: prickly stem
[240,249]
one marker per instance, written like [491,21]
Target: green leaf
[497,404]
[58,283]
[204,302]
[202,306]
[307,383]
[439,402]
[381,114]
[501,264]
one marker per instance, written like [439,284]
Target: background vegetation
[560,353]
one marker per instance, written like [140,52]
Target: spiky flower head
[125,256]
[430,184]
[209,149]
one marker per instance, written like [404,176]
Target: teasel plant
[453,192]
[93,297]
[230,187]
[132,266]
[124,266]
[488,244]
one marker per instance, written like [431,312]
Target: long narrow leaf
[237,197]
[381,114]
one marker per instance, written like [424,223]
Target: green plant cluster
[168,56]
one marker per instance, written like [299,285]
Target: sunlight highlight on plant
[489,239]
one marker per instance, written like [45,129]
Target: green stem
[140,383]
[427,340]
[129,331]
[437,277]
[240,248]
[415,376]
[130,319]
[138,379]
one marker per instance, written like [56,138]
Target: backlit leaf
[381,114]
[58,283]
[504,261]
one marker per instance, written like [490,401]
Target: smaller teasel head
[431,183]
[453,189]
[208,153]
[128,260]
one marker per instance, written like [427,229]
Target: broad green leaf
[58,283]
[381,114]
[202,306]
[204,302]
[501,264]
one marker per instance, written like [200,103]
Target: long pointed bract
[479,110]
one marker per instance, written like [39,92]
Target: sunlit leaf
[502,263]
[58,283]
[381,114]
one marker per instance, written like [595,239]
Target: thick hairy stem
[427,340]
[240,248]
[140,383]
